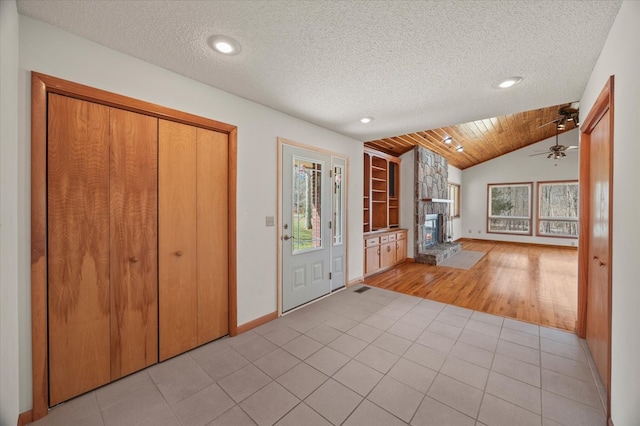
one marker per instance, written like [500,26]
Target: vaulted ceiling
[481,140]
[416,67]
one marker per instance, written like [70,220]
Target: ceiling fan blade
[571,147]
[540,153]
[546,124]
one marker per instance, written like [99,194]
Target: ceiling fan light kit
[557,151]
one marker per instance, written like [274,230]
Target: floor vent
[362,289]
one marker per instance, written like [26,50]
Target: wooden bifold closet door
[102,244]
[193,237]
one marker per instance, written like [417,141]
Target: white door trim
[281,142]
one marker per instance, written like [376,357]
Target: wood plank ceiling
[482,140]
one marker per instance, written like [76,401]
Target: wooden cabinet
[193,257]
[401,246]
[381,191]
[387,250]
[384,250]
[371,255]
[102,212]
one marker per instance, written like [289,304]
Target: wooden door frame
[281,142]
[41,86]
[603,104]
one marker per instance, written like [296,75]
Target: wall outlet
[270,221]
[470,231]
[479,231]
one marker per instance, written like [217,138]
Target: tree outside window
[558,209]
[509,208]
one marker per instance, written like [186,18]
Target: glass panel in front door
[337,205]
[307,203]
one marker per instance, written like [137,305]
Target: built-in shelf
[381,189]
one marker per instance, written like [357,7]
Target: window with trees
[558,209]
[454,196]
[509,208]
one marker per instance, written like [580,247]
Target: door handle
[286,237]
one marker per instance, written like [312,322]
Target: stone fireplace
[432,220]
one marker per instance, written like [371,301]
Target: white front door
[306,236]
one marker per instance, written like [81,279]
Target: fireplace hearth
[432,249]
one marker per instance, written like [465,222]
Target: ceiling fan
[557,151]
[570,113]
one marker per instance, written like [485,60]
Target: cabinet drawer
[392,237]
[384,239]
[371,242]
[401,235]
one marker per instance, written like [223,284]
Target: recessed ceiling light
[460,149]
[224,45]
[447,140]
[366,120]
[507,82]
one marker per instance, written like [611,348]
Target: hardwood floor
[532,283]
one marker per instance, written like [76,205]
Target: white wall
[517,166]
[620,57]
[48,50]
[407,198]
[10,384]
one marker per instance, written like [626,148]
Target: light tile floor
[370,358]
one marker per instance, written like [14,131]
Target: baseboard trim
[257,322]
[356,281]
[25,418]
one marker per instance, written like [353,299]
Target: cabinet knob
[179,253]
[133,259]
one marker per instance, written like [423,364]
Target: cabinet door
[133,262]
[401,250]
[388,254]
[371,260]
[78,246]
[212,236]
[177,285]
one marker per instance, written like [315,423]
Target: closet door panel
[212,238]
[78,246]
[177,238]
[134,279]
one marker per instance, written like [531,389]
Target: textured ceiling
[412,65]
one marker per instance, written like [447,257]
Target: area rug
[464,259]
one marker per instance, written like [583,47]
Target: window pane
[307,202]
[509,208]
[454,196]
[558,208]
[337,205]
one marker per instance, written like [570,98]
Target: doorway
[312,233]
